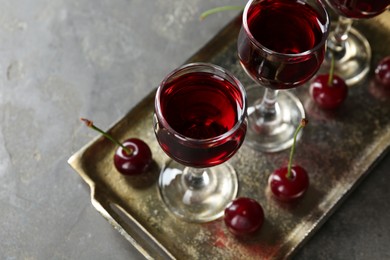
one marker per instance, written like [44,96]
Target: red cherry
[290,183]
[137,162]
[382,72]
[133,157]
[289,188]
[328,96]
[244,216]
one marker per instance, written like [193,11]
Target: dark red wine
[282,27]
[359,8]
[200,106]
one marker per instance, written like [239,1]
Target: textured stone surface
[63,59]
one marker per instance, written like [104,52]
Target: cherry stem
[220,9]
[331,70]
[90,124]
[292,151]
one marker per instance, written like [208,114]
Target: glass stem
[266,111]
[195,178]
[338,37]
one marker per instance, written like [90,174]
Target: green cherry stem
[90,124]
[301,125]
[220,9]
[331,70]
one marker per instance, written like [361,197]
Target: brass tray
[337,148]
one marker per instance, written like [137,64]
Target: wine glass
[350,49]
[281,45]
[200,122]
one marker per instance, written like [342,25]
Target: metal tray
[337,148]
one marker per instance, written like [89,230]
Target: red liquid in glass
[284,27]
[359,8]
[200,106]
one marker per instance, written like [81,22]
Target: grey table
[63,59]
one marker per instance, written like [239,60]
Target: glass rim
[182,137]
[279,54]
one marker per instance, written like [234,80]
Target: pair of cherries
[244,216]
[329,90]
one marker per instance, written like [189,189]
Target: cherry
[382,72]
[290,183]
[289,188]
[133,157]
[329,90]
[244,216]
[328,96]
[135,162]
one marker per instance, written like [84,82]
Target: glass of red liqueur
[349,47]
[281,45]
[200,122]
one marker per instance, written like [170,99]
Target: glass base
[273,135]
[198,199]
[352,63]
